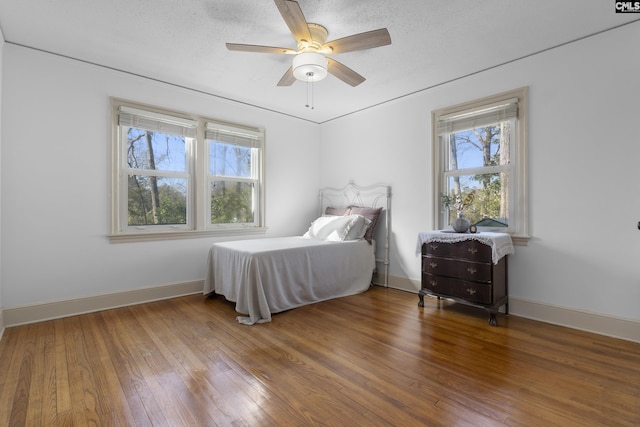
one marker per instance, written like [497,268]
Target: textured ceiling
[182,42]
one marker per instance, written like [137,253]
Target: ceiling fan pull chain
[310,90]
[307,104]
[312,103]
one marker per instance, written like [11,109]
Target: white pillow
[336,228]
[359,228]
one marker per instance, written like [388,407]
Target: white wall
[1,304]
[584,149]
[55,173]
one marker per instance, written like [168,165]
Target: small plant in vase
[459,202]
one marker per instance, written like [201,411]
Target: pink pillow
[336,211]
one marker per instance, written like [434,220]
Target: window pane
[479,147]
[229,160]
[156,151]
[231,202]
[482,198]
[156,200]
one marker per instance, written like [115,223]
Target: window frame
[518,203]
[256,170]
[198,223]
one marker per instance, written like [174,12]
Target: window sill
[176,235]
[520,240]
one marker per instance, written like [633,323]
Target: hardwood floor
[372,359]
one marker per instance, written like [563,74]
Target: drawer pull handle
[434,247]
[471,291]
[434,283]
[433,264]
[471,270]
[473,250]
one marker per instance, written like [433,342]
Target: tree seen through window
[155,194]
[474,176]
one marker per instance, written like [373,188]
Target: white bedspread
[265,276]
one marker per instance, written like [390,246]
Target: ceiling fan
[310,63]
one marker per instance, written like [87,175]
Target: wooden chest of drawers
[464,272]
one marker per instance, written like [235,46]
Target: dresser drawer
[471,250]
[470,291]
[467,270]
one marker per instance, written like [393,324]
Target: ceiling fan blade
[287,79]
[259,49]
[293,16]
[344,73]
[366,40]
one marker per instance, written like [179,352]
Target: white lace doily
[501,244]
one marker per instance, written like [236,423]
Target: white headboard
[374,196]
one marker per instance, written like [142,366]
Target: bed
[342,253]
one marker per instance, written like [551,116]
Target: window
[480,164]
[178,175]
[234,159]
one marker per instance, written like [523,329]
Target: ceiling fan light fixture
[309,67]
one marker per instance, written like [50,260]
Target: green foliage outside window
[170,209]
[231,203]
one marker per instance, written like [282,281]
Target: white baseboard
[627,329]
[1,323]
[14,316]
[404,284]
[616,327]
